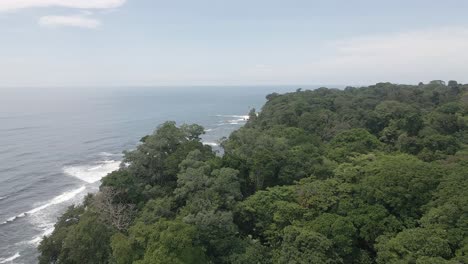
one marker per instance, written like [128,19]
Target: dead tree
[112,211]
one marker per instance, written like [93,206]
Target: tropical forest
[357,175]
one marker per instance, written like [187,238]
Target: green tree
[401,183]
[172,242]
[352,142]
[122,252]
[51,247]
[87,242]
[340,230]
[414,246]
[266,213]
[301,245]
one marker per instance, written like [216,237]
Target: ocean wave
[11,168]
[3,197]
[7,150]
[92,173]
[213,144]
[234,119]
[37,239]
[238,116]
[23,154]
[10,259]
[19,128]
[13,218]
[56,200]
[99,139]
[108,154]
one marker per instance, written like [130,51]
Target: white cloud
[400,57]
[9,5]
[71,21]
[405,57]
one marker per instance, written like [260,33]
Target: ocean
[57,143]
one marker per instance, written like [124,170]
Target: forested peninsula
[362,175]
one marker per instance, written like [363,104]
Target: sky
[73,43]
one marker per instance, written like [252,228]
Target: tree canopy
[363,175]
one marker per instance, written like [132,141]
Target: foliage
[364,175]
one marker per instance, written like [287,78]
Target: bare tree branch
[116,213]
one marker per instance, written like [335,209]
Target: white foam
[3,197]
[92,173]
[56,200]
[37,239]
[238,119]
[10,259]
[213,144]
[13,218]
[108,154]
[245,117]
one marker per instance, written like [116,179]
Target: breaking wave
[56,200]
[37,239]
[213,144]
[13,218]
[92,173]
[108,154]
[233,119]
[10,259]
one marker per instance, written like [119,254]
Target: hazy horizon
[182,86]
